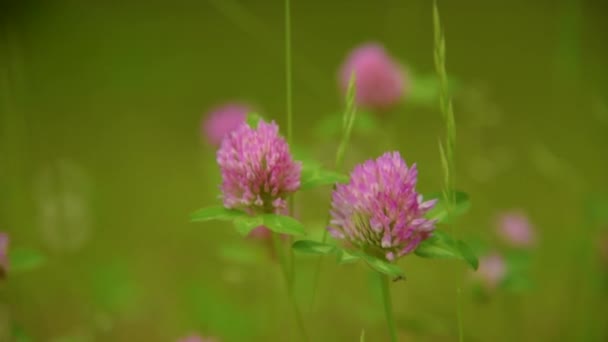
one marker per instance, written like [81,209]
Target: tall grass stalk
[445,106]
[348,121]
[446,149]
[288,82]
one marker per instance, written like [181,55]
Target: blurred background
[102,160]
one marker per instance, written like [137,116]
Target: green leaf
[253,119]
[442,213]
[313,247]
[347,257]
[313,177]
[23,259]
[283,224]
[477,245]
[467,254]
[245,224]
[442,246]
[216,213]
[362,337]
[383,267]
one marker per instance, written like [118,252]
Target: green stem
[288,81]
[290,255]
[276,239]
[388,310]
[289,113]
[317,271]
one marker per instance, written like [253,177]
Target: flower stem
[388,310]
[276,239]
[289,112]
[317,271]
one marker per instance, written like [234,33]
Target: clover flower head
[258,171]
[379,210]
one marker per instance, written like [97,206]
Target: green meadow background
[102,162]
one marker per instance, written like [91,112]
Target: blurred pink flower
[515,229]
[492,270]
[380,81]
[4,242]
[197,338]
[222,120]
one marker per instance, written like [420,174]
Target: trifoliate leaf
[245,224]
[313,177]
[283,224]
[347,257]
[442,246]
[383,266]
